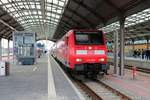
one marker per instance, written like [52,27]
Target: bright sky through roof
[5,43]
[41,16]
[47,44]
[134,19]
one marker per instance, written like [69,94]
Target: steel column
[8,52]
[116,52]
[0,49]
[133,46]
[147,44]
[122,46]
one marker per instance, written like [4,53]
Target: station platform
[37,82]
[137,89]
[28,82]
[64,88]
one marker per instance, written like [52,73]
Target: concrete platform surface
[28,82]
[137,89]
[64,88]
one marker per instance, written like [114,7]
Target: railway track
[145,70]
[98,90]
[90,94]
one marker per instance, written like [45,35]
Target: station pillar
[0,49]
[147,44]
[133,46]
[122,46]
[116,52]
[8,52]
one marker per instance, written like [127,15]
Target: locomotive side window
[93,38]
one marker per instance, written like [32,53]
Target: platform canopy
[100,13]
[41,16]
[53,18]
[137,26]
[8,24]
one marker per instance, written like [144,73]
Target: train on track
[83,52]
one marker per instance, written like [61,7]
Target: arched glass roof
[41,16]
[132,20]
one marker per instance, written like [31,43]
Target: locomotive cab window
[92,38]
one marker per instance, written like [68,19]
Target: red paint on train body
[83,51]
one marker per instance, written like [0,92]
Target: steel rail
[123,96]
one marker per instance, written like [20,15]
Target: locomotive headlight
[90,48]
[78,60]
[101,59]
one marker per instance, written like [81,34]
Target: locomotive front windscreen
[89,38]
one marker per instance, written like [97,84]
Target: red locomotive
[83,52]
